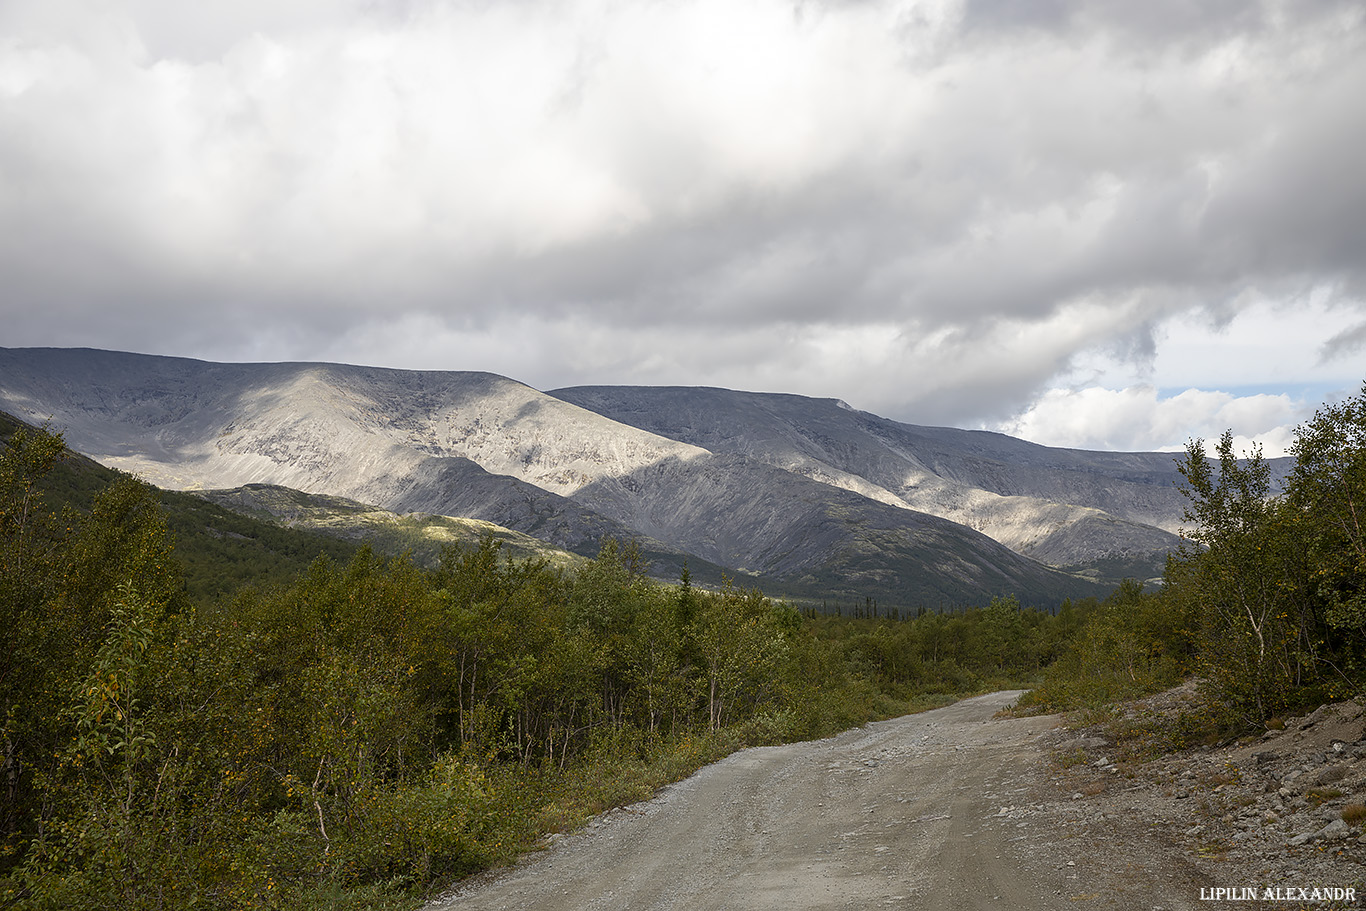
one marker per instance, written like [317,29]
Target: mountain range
[804,495]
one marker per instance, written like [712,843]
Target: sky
[1091,223]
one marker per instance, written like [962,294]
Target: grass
[1093,788]
[1320,796]
[1213,780]
[1067,759]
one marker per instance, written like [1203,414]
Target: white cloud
[1258,369]
[1137,418]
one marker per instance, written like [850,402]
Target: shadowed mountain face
[804,492]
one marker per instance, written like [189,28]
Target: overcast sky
[1097,223]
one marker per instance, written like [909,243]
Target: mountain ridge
[798,490]
[985,487]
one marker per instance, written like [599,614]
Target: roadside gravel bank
[1266,814]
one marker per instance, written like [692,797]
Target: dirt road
[925,811]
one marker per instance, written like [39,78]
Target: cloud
[1156,22]
[937,210]
[1347,342]
[1139,419]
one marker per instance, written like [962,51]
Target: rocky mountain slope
[801,491]
[408,442]
[1059,506]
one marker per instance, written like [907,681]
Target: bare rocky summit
[471,445]
[803,492]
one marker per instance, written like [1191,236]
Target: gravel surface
[1246,817]
[949,809]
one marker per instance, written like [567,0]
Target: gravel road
[936,810]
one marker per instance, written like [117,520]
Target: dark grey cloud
[1166,22]
[1345,343]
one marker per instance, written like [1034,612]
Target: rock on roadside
[1263,813]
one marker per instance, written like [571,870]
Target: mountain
[409,442]
[1062,507]
[802,494]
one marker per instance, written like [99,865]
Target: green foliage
[1244,579]
[105,707]
[1278,580]
[220,551]
[27,529]
[1132,643]
[29,574]
[1328,489]
[741,646]
[68,585]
